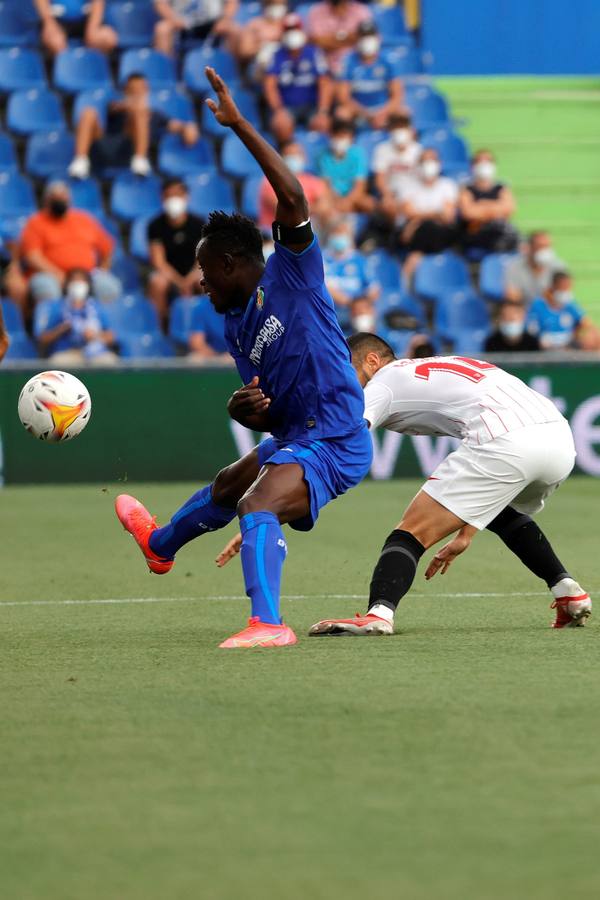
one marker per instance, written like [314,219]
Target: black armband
[284,234]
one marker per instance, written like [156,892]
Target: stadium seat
[173,104]
[132,196]
[85,194]
[126,270]
[247,11]
[34,110]
[145,346]
[17,199]
[236,160]
[73,10]
[134,22]
[439,273]
[452,149]
[157,68]
[459,311]
[196,60]
[19,24]
[98,98]
[49,153]
[247,106]
[405,58]
[180,316]
[210,191]
[13,318]
[492,275]
[390,22]
[132,314]
[8,158]
[469,341]
[392,305]
[429,109]
[250,192]
[20,70]
[138,238]
[368,140]
[21,347]
[383,268]
[175,159]
[80,69]
[397,338]
[314,143]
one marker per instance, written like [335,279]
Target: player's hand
[226,112]
[248,402]
[229,551]
[444,558]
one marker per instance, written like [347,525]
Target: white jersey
[453,395]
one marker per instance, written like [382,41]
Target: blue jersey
[554,327]
[369,82]
[289,336]
[348,273]
[91,316]
[298,76]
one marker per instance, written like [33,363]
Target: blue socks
[263,553]
[198,515]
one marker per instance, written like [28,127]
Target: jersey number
[466,368]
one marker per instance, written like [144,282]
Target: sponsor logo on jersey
[260,297]
[268,334]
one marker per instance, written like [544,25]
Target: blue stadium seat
[389,21]
[247,106]
[314,143]
[21,347]
[173,104]
[98,98]
[85,194]
[175,159]
[384,268]
[49,153]
[134,22]
[73,10]
[459,311]
[138,238]
[19,24]
[250,192]
[452,149]
[439,273]
[34,110]
[398,301]
[132,196]
[21,69]
[126,270]
[492,274]
[247,11]
[469,341]
[210,191]
[145,346]
[236,160]
[196,60]
[368,140]
[16,196]
[397,338]
[405,58]
[80,69]
[13,318]
[158,68]
[132,314]
[429,109]
[8,158]
[180,317]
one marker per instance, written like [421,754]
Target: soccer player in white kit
[516,450]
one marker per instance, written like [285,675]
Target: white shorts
[520,469]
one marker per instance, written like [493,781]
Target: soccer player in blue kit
[281,329]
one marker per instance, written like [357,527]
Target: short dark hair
[339,126]
[234,234]
[398,119]
[539,232]
[560,276]
[77,270]
[133,75]
[362,343]
[480,152]
[174,182]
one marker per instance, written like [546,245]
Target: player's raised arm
[292,208]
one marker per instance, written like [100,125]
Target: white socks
[567,587]
[382,612]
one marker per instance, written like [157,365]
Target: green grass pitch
[457,759]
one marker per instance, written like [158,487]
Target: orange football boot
[368,625]
[136,519]
[261,634]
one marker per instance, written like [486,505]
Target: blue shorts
[331,466]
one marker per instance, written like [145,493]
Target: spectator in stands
[559,321]
[346,277]
[429,210]
[345,168]
[195,19]
[316,189]
[333,26]
[74,328]
[57,239]
[261,36]
[420,346]
[529,275]
[296,85]
[369,88]
[395,164]
[510,334]
[206,338]
[172,239]
[56,30]
[131,127]
[485,206]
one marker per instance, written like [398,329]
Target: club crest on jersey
[260,298]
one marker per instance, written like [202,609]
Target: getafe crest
[260,298]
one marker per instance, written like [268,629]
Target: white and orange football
[54,406]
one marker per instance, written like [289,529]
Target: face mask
[295,163]
[175,206]
[293,39]
[430,169]
[275,12]
[511,329]
[364,322]
[339,243]
[401,136]
[78,291]
[368,46]
[58,208]
[484,170]
[340,146]
[563,297]
[544,256]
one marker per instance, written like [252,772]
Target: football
[54,406]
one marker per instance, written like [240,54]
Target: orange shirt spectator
[74,241]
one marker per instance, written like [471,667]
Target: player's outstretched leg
[527,541]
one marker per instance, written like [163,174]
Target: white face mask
[175,206]
[294,39]
[295,163]
[364,322]
[401,136]
[563,297]
[544,256]
[430,169]
[78,291]
[340,146]
[275,12]
[512,329]
[369,45]
[484,170]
